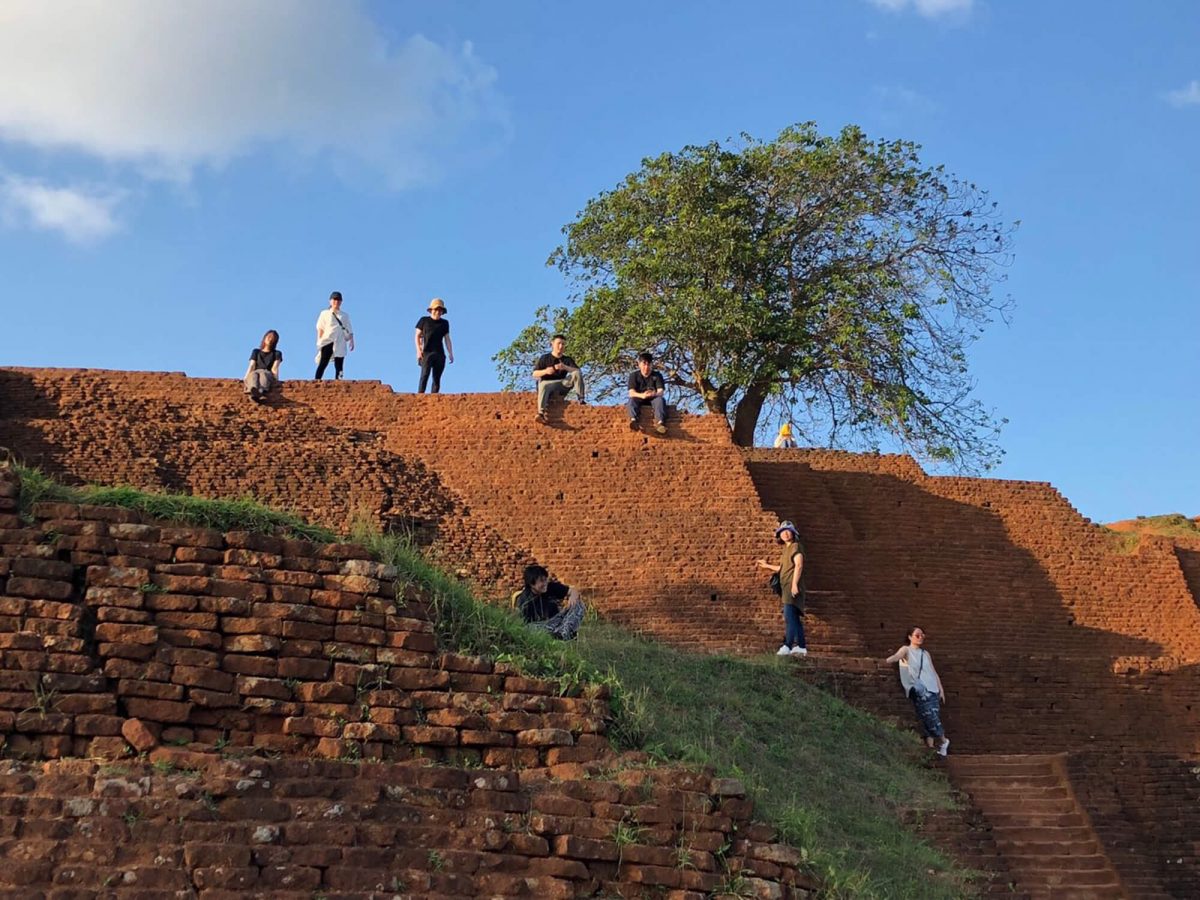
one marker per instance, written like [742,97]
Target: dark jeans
[658,404]
[793,622]
[326,353]
[435,363]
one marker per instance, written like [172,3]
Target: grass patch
[223,515]
[472,627]
[1125,542]
[1170,525]
[833,779]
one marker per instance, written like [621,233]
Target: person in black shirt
[263,371]
[646,385]
[557,375]
[431,357]
[541,604]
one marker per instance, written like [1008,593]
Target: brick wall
[1146,809]
[389,768]
[1031,610]
[246,640]
[661,533]
[1049,633]
[290,828]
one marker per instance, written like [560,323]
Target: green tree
[834,280]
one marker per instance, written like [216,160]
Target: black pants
[435,363]
[326,352]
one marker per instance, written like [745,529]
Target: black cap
[336,295]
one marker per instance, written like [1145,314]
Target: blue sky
[176,178]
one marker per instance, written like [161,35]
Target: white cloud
[931,9]
[1185,96]
[899,101]
[81,215]
[167,87]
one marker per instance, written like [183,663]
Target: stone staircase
[1038,825]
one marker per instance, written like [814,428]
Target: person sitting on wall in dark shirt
[646,385]
[542,607]
[556,375]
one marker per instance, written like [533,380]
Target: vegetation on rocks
[223,515]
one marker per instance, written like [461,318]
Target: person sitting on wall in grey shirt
[557,375]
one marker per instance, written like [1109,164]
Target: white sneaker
[799,651]
[783,651]
[945,746]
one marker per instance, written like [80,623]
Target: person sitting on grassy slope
[541,604]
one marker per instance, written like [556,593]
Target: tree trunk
[745,419]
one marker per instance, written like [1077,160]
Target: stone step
[981,767]
[1090,892]
[1071,878]
[1017,801]
[1062,846]
[1040,834]
[1044,836]
[1040,805]
[1015,781]
[1049,862]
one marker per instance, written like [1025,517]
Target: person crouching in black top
[542,607]
[262,373]
[431,357]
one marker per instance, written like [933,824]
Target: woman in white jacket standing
[923,687]
[334,335]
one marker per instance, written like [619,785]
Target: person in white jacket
[924,688]
[335,335]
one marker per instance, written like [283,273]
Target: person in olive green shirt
[791,588]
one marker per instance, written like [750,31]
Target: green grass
[472,627]
[223,515]
[833,780]
[1170,525]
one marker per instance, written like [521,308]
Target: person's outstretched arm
[249,369]
[449,349]
[900,654]
[763,564]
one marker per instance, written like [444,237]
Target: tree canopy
[835,282]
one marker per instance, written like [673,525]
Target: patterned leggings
[565,625]
[928,712]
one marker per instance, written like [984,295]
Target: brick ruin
[1070,654]
[299,736]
